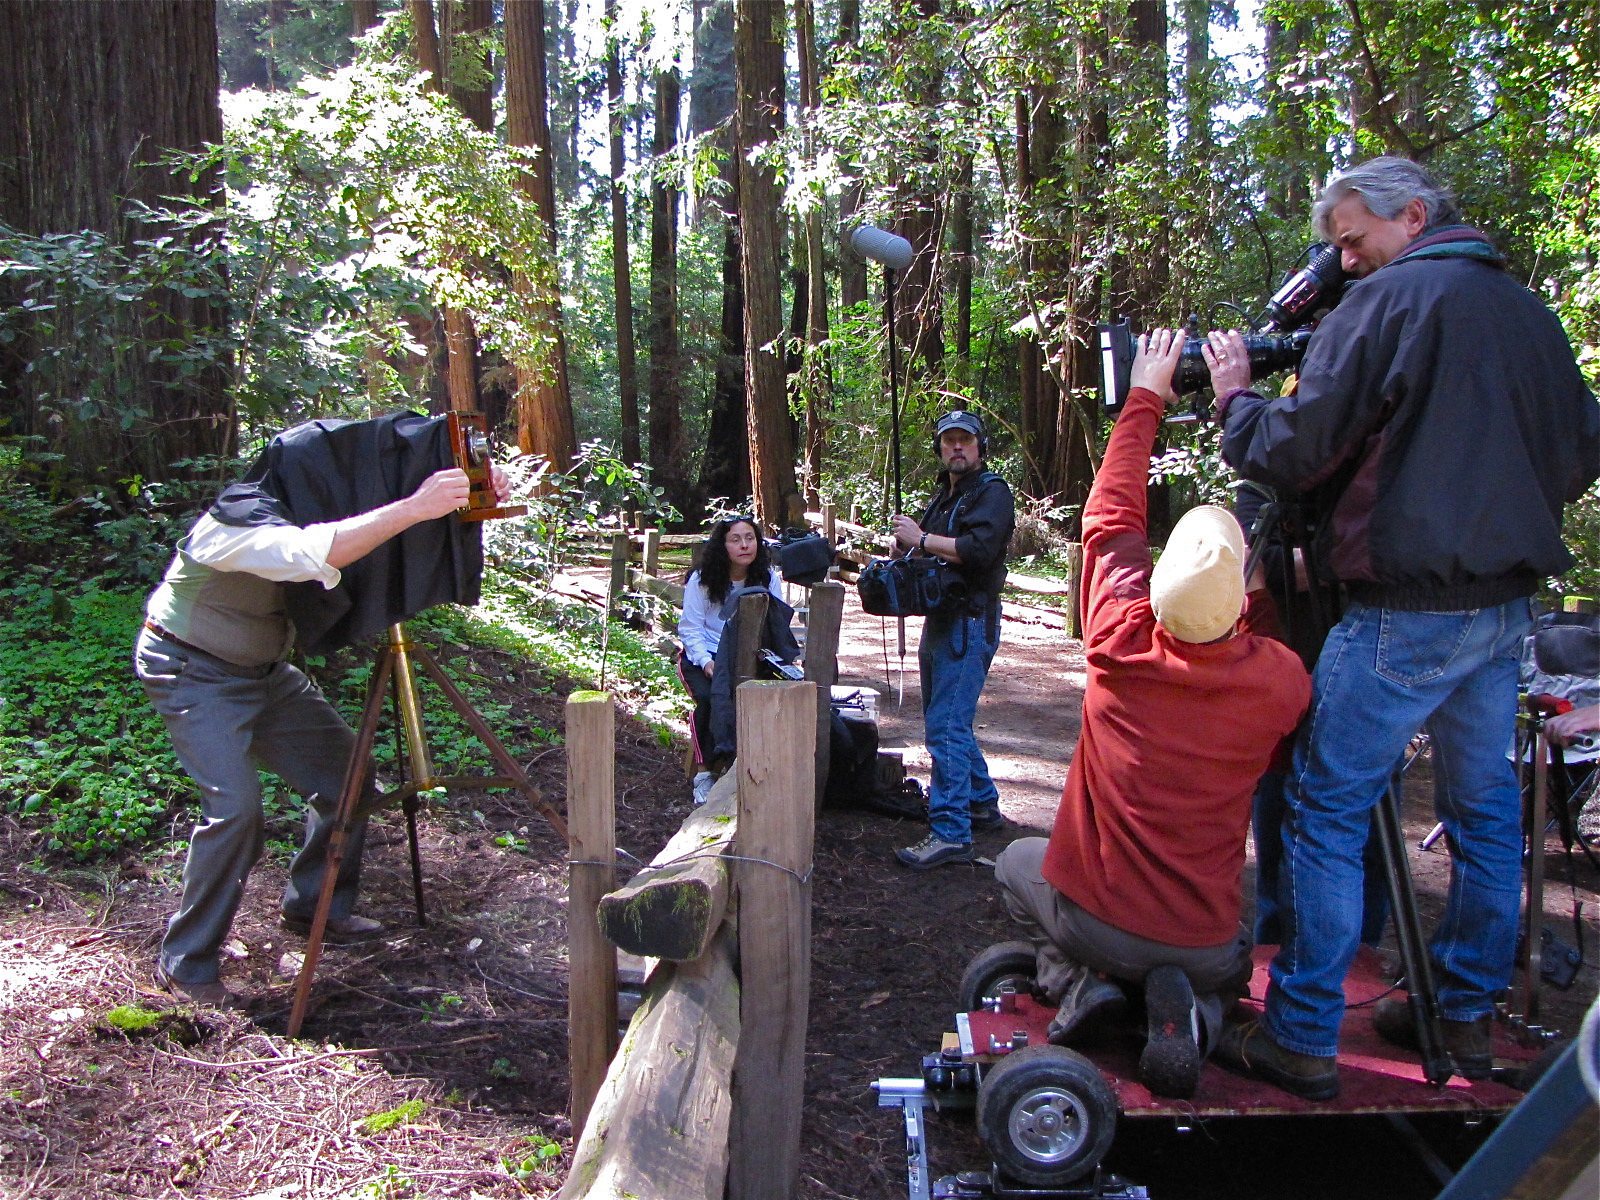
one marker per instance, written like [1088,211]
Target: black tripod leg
[409,807]
[1422,994]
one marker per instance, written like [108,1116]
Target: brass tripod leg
[395,661]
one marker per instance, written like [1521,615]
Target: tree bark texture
[94,95]
[545,423]
[669,450]
[622,287]
[758,52]
[725,466]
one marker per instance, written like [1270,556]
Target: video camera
[1276,342]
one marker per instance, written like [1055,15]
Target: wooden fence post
[752,632]
[1074,582]
[822,666]
[652,550]
[621,548]
[777,822]
[592,849]
[830,523]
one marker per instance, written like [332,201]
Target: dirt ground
[457,1031]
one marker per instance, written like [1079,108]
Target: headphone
[943,423]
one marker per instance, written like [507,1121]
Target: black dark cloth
[980,513]
[1441,422]
[325,471]
[776,636]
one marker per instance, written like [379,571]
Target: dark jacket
[1442,422]
[982,529]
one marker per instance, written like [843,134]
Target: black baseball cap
[960,419]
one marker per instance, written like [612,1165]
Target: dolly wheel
[1046,1115]
[1003,967]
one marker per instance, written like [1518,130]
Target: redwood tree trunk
[544,400]
[758,54]
[93,95]
[668,445]
[627,377]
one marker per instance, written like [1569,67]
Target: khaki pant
[1068,940]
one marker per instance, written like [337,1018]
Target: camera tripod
[394,663]
[1286,525]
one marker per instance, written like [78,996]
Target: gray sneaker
[932,851]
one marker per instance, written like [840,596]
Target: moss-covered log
[672,908]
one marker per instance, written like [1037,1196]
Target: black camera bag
[804,559]
[908,587]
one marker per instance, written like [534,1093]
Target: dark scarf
[1452,241]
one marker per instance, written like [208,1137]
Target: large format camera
[1276,341]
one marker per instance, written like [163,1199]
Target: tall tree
[545,423]
[668,443]
[95,94]
[462,373]
[816,377]
[622,288]
[852,267]
[758,56]
[725,466]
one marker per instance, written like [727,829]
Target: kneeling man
[1139,881]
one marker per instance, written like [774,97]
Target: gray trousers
[225,722]
[1068,940]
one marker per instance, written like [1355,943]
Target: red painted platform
[1374,1077]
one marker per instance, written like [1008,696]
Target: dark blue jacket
[1442,422]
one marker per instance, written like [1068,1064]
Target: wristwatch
[922,543]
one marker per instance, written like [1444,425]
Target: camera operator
[211,656]
[967,524]
[1441,422]
[1139,882]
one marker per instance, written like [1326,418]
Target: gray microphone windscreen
[881,246]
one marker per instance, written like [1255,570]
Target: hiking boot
[933,851]
[1467,1042]
[1249,1049]
[987,820]
[1170,1062]
[1091,1000]
[206,995]
[339,931]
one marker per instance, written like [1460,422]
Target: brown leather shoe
[1467,1042]
[339,931]
[206,995]
[1249,1049]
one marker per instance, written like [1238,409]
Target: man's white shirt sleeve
[280,553]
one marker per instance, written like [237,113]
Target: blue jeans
[954,657]
[1269,808]
[1383,675]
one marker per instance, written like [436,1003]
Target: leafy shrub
[80,748]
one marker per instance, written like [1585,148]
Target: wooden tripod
[394,662]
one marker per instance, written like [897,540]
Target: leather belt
[164,635]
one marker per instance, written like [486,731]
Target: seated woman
[733,556]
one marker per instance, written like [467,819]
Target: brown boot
[1249,1049]
[1467,1042]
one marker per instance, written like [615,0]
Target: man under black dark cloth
[211,656]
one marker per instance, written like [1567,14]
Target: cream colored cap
[1197,587]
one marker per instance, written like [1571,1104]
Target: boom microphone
[881,246]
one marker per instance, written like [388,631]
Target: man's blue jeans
[1383,675]
[954,656]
